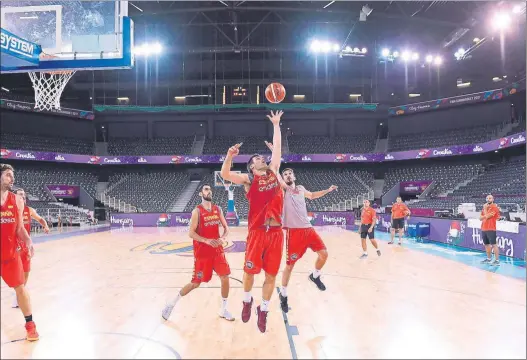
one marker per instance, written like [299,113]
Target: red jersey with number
[9,222]
[208,227]
[266,200]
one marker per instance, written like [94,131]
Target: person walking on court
[368,219]
[399,212]
[489,215]
[11,232]
[208,251]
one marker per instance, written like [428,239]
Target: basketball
[275,93]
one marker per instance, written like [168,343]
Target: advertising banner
[64,191]
[414,187]
[422,212]
[475,98]
[183,219]
[505,142]
[456,232]
[30,107]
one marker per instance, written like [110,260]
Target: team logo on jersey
[249,264]
[294,256]
[186,248]
[199,275]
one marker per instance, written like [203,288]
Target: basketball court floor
[100,295]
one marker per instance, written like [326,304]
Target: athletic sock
[283,291]
[365,253]
[265,305]
[223,303]
[174,301]
[29,318]
[316,273]
[247,296]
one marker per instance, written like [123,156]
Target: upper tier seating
[46,143]
[157,146]
[325,145]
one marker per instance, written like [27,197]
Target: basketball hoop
[49,85]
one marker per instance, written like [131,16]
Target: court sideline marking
[290,330]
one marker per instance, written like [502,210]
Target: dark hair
[250,162]
[17,190]
[287,169]
[202,186]
[5,167]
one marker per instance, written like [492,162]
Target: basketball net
[48,86]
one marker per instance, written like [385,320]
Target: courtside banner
[64,191]
[414,187]
[505,142]
[457,232]
[475,98]
[183,219]
[30,107]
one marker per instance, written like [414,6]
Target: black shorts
[489,237]
[398,223]
[364,232]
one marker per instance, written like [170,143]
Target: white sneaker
[167,311]
[15,303]
[225,314]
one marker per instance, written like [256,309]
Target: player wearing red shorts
[300,234]
[11,232]
[265,239]
[208,251]
[27,214]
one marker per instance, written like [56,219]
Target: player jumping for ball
[25,255]
[265,239]
[208,251]
[300,233]
[11,232]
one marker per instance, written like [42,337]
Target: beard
[289,182]
[207,198]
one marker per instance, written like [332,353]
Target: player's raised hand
[269,145]
[332,187]
[234,150]
[275,117]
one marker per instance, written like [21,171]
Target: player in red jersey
[11,232]
[28,214]
[265,239]
[208,251]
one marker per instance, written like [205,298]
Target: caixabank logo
[185,248]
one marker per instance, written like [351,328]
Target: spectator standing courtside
[399,212]
[489,215]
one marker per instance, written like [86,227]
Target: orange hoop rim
[44,56]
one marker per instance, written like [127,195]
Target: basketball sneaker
[246,311]
[495,263]
[379,252]
[317,282]
[262,319]
[225,314]
[363,256]
[486,261]
[283,303]
[32,334]
[167,311]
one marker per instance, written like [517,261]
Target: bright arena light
[460,53]
[315,46]
[415,56]
[429,58]
[364,50]
[396,54]
[438,60]
[326,47]
[405,56]
[501,21]
[517,9]
[148,49]
[336,47]
[385,52]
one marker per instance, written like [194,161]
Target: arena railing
[117,204]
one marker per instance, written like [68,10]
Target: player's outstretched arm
[227,174]
[194,219]
[318,194]
[38,218]
[276,156]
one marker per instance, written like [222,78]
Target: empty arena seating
[325,145]
[46,143]
[251,144]
[152,191]
[442,138]
[33,179]
[505,180]
[156,146]
[51,211]
[445,176]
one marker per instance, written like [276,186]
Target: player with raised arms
[265,239]
[28,214]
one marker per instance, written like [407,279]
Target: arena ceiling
[216,43]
